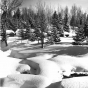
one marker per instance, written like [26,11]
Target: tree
[73,16]
[79,35]
[31,17]
[84,18]
[55,21]
[79,18]
[49,12]
[72,21]
[7,7]
[17,14]
[66,18]
[21,34]
[17,20]
[55,35]
[86,27]
[60,18]
[40,22]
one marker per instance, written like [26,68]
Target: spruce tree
[55,35]
[17,18]
[65,21]
[60,23]
[56,27]
[55,21]
[79,35]
[86,27]
[66,26]
[72,21]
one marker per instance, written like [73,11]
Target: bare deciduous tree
[41,21]
[7,6]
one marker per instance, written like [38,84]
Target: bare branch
[15,4]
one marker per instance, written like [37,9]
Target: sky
[55,3]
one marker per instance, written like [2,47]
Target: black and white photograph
[43,43]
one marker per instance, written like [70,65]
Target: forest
[43,22]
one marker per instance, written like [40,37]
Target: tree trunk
[38,40]
[5,35]
[3,27]
[73,27]
[4,38]
[42,42]
[3,46]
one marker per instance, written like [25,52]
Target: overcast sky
[54,3]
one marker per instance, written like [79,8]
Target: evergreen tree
[86,27]
[65,21]
[72,21]
[55,35]
[79,17]
[21,34]
[60,23]
[17,14]
[66,26]
[17,21]
[57,27]
[73,16]
[79,35]
[55,21]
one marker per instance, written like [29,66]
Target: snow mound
[45,68]
[8,65]
[75,82]
[23,67]
[28,81]
[69,63]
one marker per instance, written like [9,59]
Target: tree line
[43,20]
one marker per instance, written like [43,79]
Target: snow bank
[7,64]
[76,82]
[45,68]
[70,63]
[28,81]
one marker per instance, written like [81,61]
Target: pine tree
[60,23]
[55,35]
[73,16]
[21,34]
[55,21]
[86,27]
[17,19]
[65,21]
[66,26]
[79,35]
[72,21]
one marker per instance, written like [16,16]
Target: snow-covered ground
[63,39]
[67,39]
[7,64]
[32,49]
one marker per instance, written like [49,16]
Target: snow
[8,64]
[9,31]
[71,63]
[76,82]
[66,39]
